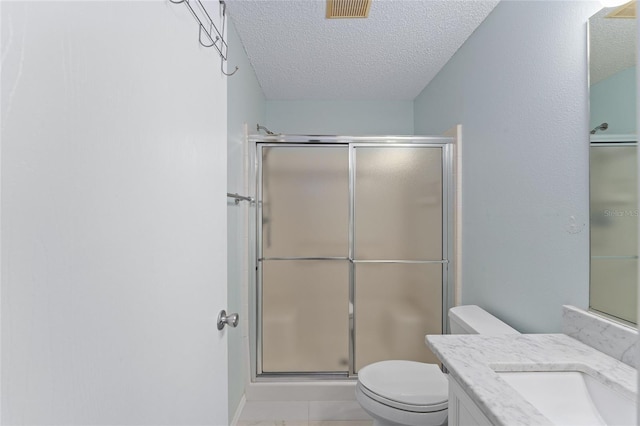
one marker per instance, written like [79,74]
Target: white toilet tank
[472,319]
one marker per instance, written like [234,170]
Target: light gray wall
[113,216]
[353,118]
[519,88]
[246,104]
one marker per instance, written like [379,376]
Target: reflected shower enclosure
[352,253]
[614,229]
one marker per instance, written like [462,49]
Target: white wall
[113,216]
[246,104]
[519,88]
[353,118]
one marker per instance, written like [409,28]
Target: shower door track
[256,143]
[354,260]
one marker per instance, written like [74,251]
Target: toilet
[409,393]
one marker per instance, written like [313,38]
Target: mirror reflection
[613,167]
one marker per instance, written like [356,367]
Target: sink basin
[573,398]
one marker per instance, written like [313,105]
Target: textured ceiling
[392,55]
[612,45]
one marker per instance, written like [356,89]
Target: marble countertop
[474,359]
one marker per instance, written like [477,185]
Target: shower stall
[352,252]
[613,199]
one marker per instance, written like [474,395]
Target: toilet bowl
[403,393]
[409,393]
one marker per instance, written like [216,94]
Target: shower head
[259,127]
[603,126]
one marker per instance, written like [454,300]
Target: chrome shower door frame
[256,144]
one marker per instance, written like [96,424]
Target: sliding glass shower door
[305,267]
[398,252]
[351,254]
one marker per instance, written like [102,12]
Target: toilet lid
[407,382]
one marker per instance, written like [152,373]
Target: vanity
[542,379]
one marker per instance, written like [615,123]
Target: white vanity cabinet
[462,410]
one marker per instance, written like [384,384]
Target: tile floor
[307,423]
[303,413]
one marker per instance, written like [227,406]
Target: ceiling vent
[627,11]
[348,8]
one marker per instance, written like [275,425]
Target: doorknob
[224,319]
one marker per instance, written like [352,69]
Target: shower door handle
[224,319]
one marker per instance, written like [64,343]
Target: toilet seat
[405,385]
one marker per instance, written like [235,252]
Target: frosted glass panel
[398,203]
[305,316]
[396,305]
[614,287]
[614,231]
[614,201]
[305,201]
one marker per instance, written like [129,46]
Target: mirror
[613,163]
